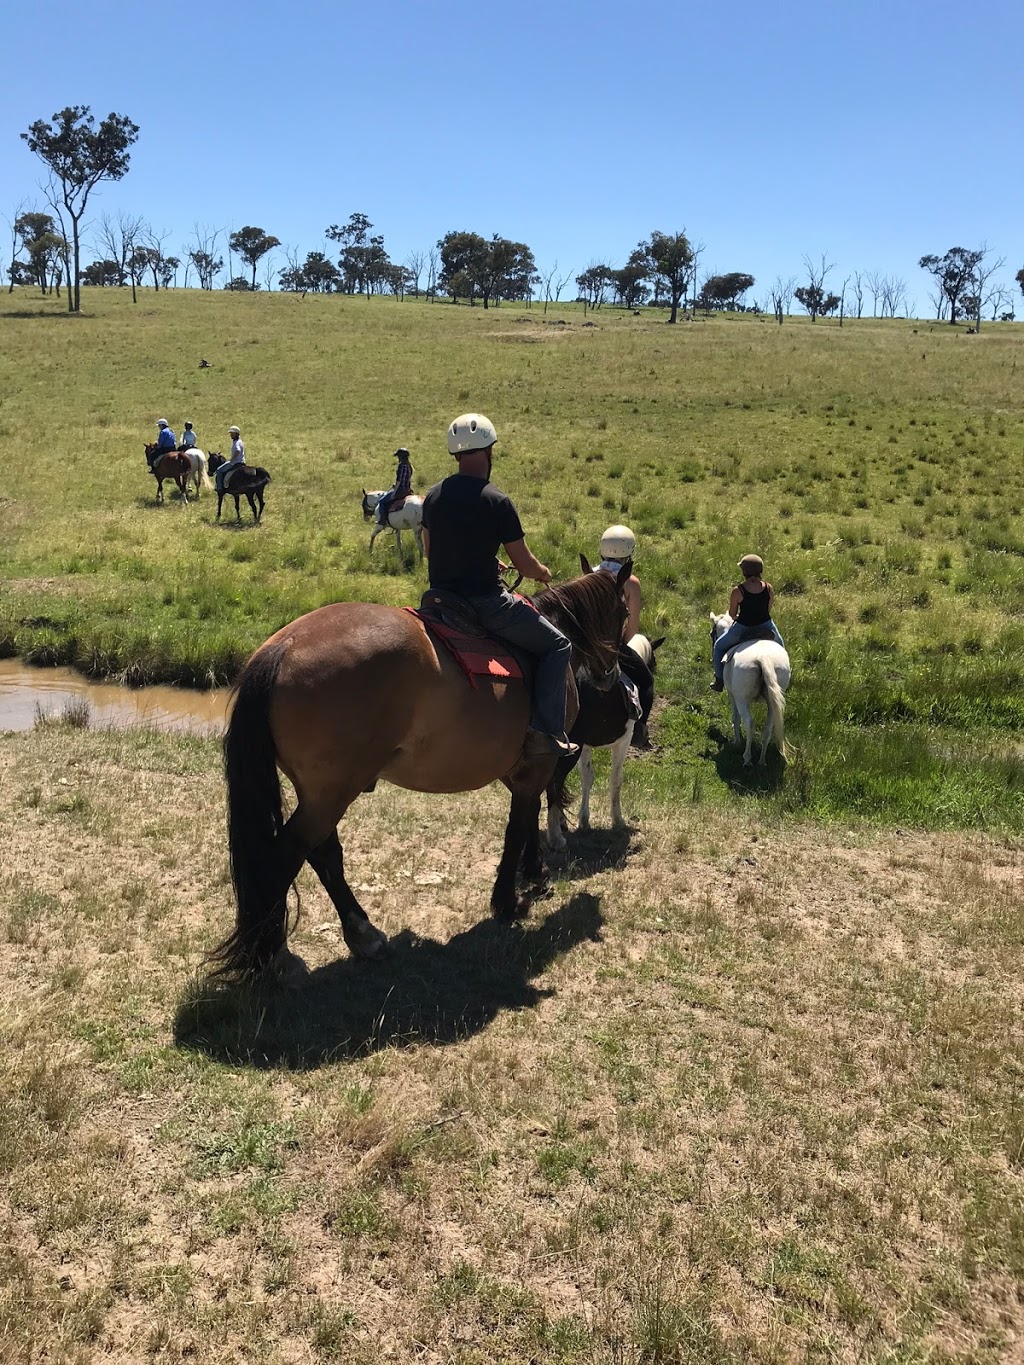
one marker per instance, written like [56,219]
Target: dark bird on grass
[204,364]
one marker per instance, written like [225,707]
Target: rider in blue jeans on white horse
[750,606]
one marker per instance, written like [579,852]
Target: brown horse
[355,692]
[174,465]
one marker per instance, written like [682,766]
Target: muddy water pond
[27,692]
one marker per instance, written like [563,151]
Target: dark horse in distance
[246,480]
[355,692]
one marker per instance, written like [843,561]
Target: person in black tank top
[750,606]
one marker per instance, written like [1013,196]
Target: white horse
[755,670]
[602,718]
[197,468]
[408,517]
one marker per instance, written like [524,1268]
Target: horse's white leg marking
[556,839]
[619,751]
[586,782]
[737,733]
[373,536]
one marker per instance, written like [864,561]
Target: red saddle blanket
[479,656]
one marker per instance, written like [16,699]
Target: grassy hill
[876,467]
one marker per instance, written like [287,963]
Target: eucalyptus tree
[80,155]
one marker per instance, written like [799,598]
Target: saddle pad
[479,656]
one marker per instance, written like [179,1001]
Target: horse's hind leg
[586,783]
[362,937]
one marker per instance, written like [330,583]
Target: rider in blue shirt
[166,442]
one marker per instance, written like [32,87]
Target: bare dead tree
[874,283]
[983,288]
[999,299]
[433,262]
[23,206]
[894,294]
[155,242]
[857,292]
[697,249]
[781,293]
[414,263]
[56,202]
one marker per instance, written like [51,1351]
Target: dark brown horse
[247,480]
[174,465]
[353,693]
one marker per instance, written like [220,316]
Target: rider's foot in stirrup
[717,686]
[538,745]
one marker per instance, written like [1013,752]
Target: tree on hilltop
[723,291]
[672,263]
[80,156]
[630,283]
[45,247]
[252,244]
[954,275]
[593,284]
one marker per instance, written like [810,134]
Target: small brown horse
[174,465]
[246,480]
[356,692]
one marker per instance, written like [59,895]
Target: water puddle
[25,691]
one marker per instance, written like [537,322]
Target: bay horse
[249,480]
[354,693]
[408,517]
[604,720]
[755,669]
[174,465]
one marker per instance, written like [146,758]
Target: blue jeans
[386,500]
[222,472]
[505,616]
[735,635]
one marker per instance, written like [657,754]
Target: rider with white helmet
[618,546]
[466,519]
[236,458]
[166,441]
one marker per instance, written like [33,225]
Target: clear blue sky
[874,132]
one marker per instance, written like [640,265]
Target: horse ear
[364,492]
[585,564]
[657,644]
[714,618]
[624,574]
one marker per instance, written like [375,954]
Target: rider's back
[468,520]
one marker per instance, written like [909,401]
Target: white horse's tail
[202,469]
[776,700]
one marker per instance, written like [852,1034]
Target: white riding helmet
[619,543]
[471,431]
[162,422]
[233,431]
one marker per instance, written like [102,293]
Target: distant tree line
[661,271]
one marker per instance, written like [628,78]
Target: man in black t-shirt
[465,521]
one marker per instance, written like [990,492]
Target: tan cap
[750,565]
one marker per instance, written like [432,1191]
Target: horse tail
[204,476]
[776,700]
[255,822]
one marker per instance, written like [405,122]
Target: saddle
[762,632]
[451,621]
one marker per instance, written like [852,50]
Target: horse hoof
[289,969]
[366,941]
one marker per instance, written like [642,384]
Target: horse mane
[584,609]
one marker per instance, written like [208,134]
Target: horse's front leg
[418,533]
[238,509]
[373,536]
[524,810]
[220,502]
[159,490]
[586,782]
[737,731]
[398,542]
[620,750]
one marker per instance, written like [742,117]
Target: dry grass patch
[732,1093]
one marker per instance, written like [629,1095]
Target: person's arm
[633,600]
[771,597]
[734,603]
[523,559]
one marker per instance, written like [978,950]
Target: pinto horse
[356,692]
[246,479]
[604,721]
[174,465]
[408,517]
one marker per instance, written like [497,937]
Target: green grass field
[876,467]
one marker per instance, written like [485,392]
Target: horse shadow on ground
[421,992]
[728,760]
[588,851]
